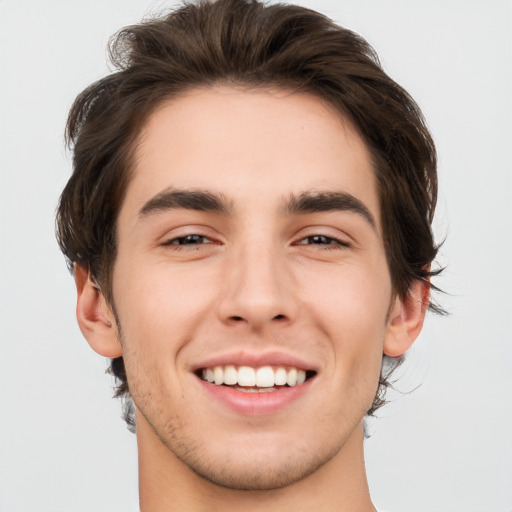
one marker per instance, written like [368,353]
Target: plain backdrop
[445,447]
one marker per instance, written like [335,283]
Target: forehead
[248,145]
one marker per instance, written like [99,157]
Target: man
[248,222]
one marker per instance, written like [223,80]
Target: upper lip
[255,360]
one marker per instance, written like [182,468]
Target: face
[250,258]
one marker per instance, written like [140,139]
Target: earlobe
[406,319]
[95,317]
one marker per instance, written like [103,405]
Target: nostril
[237,318]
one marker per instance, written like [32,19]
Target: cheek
[162,296]
[159,310]
[350,306]
[348,298]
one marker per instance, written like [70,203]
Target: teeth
[255,390]
[291,378]
[280,377]
[246,376]
[218,374]
[264,377]
[230,375]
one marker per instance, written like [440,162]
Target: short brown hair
[244,42]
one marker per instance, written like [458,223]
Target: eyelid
[334,233]
[172,233]
[332,242]
[169,231]
[170,240]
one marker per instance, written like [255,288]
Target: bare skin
[345,475]
[226,256]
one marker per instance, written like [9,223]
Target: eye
[189,240]
[322,240]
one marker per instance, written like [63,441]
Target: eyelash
[178,242]
[329,242]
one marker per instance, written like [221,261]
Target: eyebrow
[207,201]
[315,202]
[200,200]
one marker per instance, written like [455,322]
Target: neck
[167,484]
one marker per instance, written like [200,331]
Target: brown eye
[322,240]
[189,240]
[317,239]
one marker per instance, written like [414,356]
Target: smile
[245,376]
[256,384]
[249,379]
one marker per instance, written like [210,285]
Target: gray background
[444,447]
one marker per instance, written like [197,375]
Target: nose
[257,289]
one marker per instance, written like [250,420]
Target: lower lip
[256,404]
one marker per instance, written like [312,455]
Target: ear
[95,318]
[406,319]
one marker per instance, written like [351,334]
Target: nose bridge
[257,288]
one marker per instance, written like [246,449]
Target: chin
[252,464]
[250,475]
